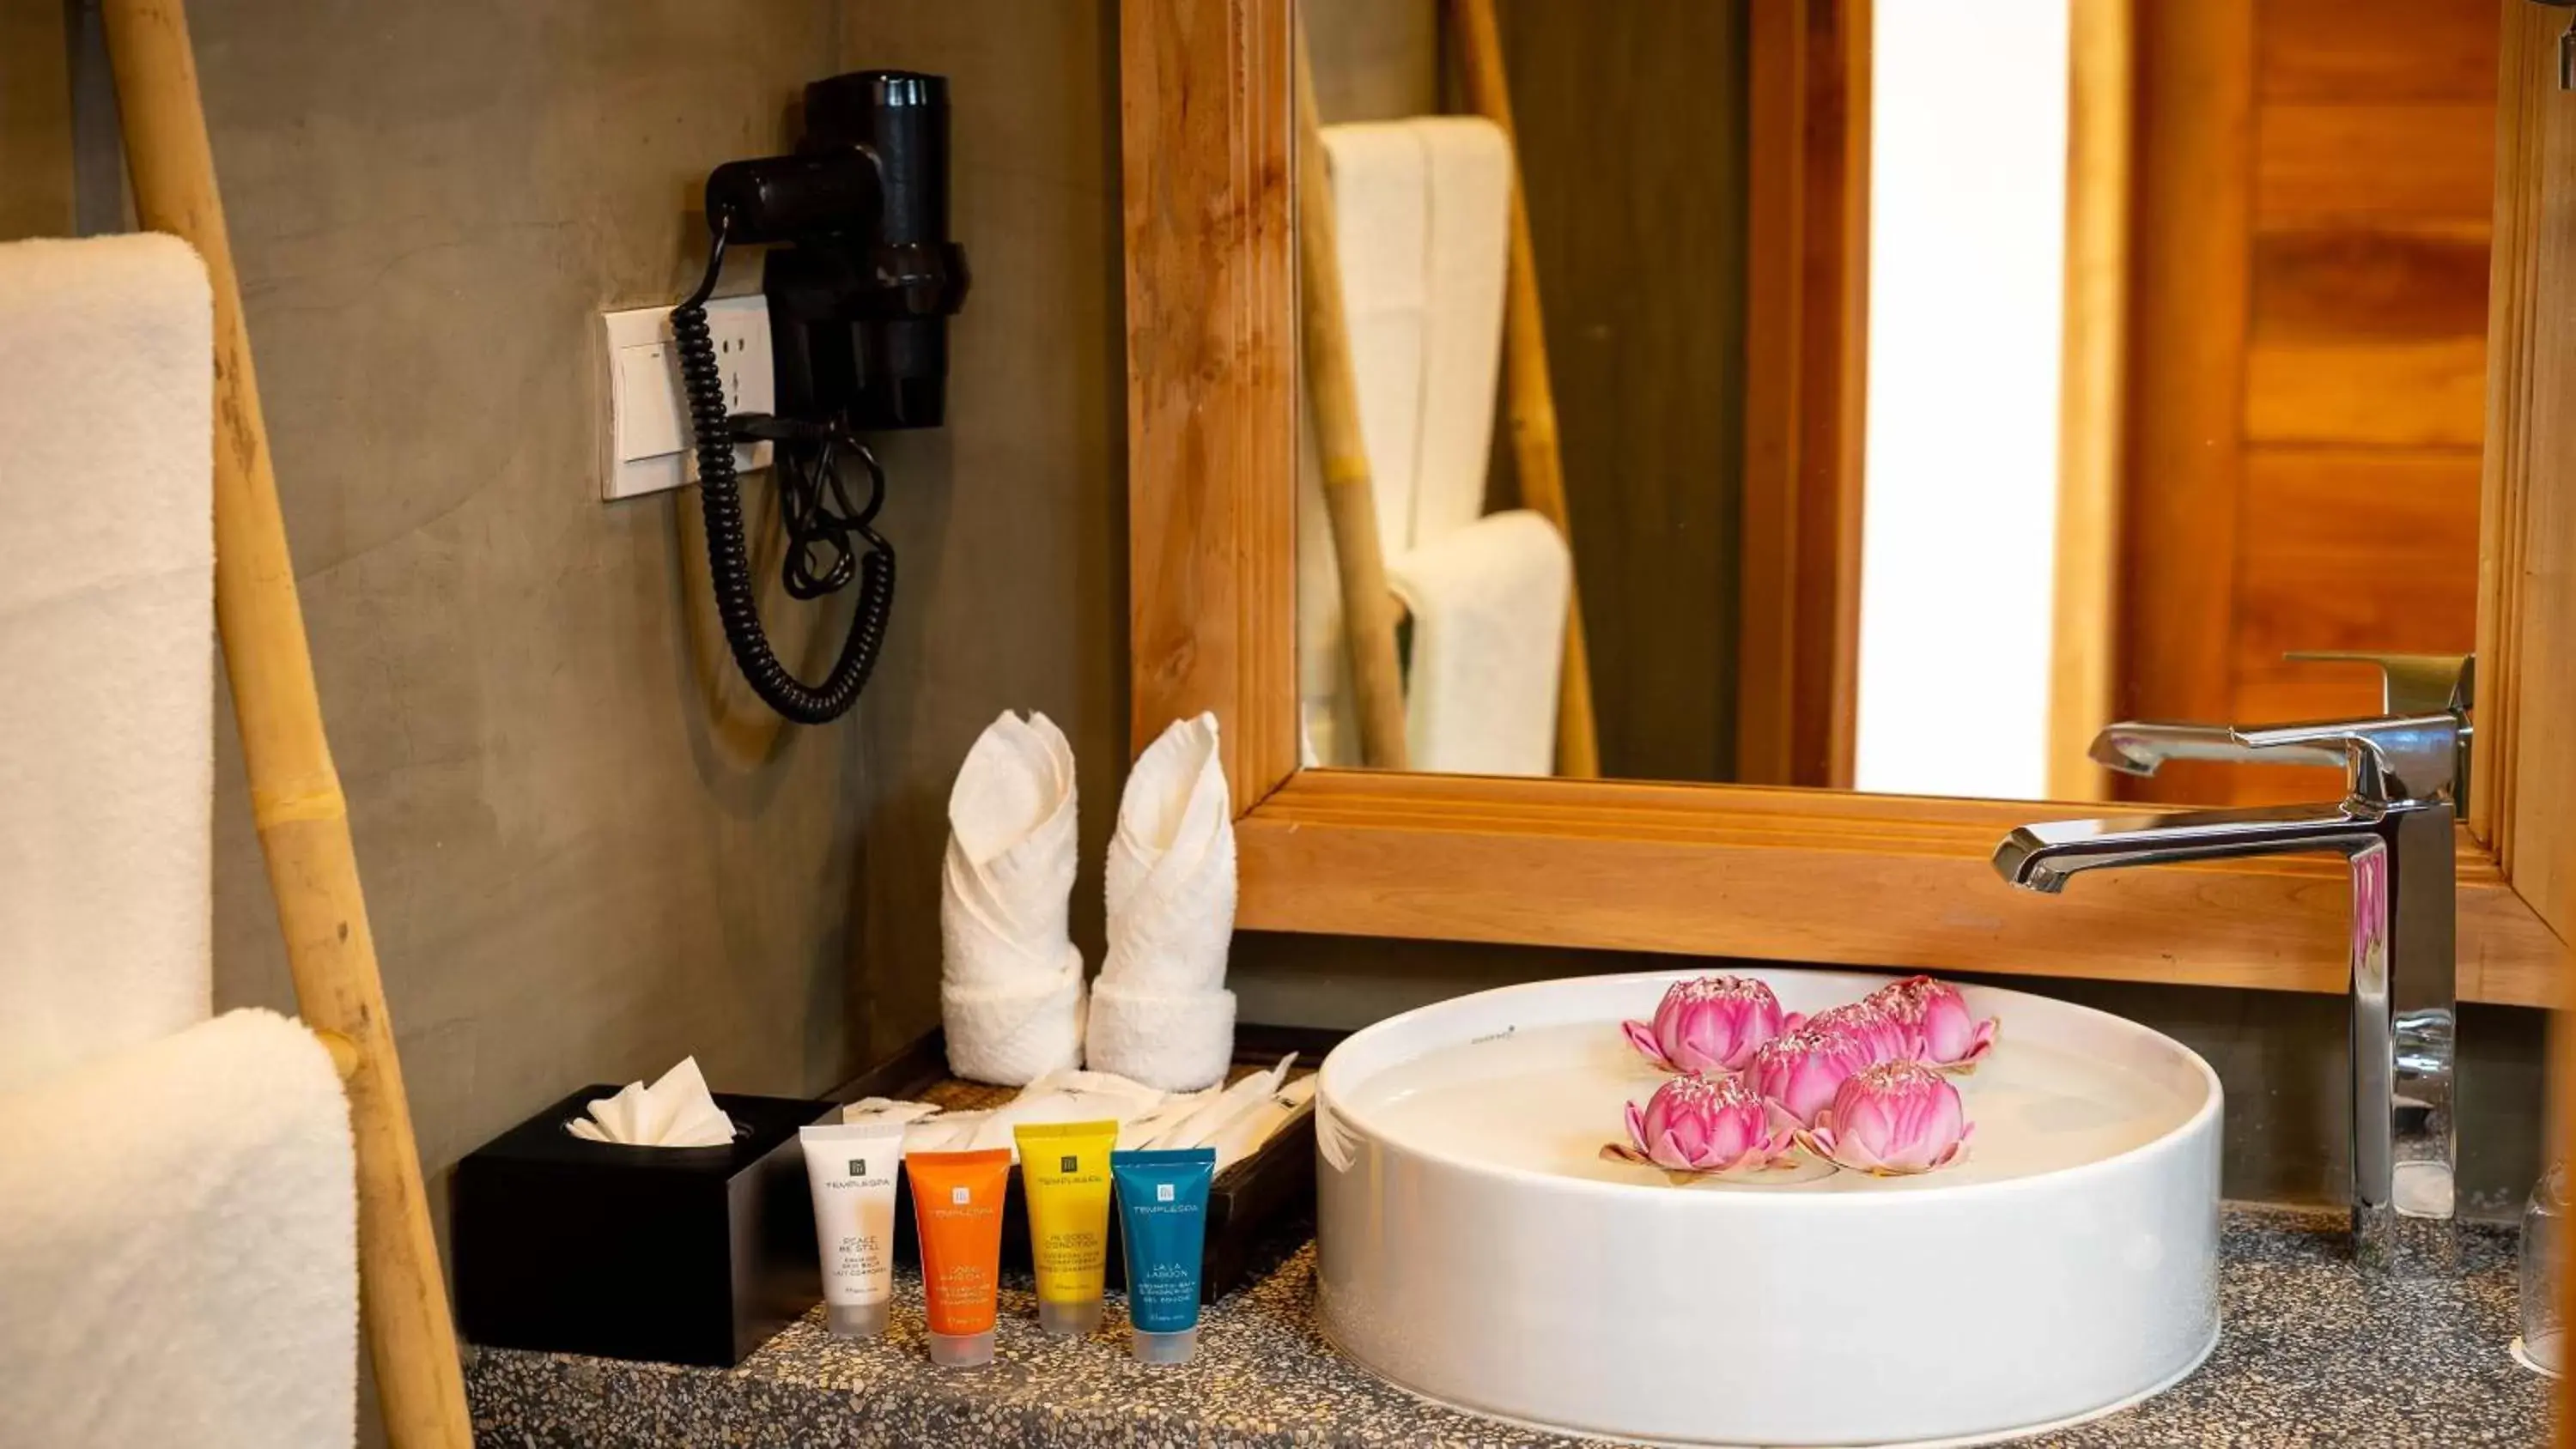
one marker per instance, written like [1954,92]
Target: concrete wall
[574,875]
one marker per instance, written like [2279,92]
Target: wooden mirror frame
[1723,870]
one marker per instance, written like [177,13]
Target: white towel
[1423,207]
[1422,210]
[106,648]
[1160,1012]
[178,1221]
[1010,990]
[178,1247]
[1469,163]
[1489,605]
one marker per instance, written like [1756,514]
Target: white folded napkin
[1142,1131]
[1125,1098]
[676,1111]
[876,1110]
[1010,990]
[947,1132]
[1244,1135]
[1202,1127]
[1160,1012]
[1057,1104]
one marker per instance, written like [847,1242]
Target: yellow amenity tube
[1064,1168]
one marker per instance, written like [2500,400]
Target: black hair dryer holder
[861,278]
[863,275]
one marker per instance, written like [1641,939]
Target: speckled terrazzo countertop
[2310,1354]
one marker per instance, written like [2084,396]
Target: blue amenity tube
[1162,1217]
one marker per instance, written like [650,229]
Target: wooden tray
[1259,1209]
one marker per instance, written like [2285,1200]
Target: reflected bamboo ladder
[1350,493]
[1369,614]
[302,819]
[1536,456]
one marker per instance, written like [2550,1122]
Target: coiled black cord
[815,508]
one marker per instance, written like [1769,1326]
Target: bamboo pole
[1535,452]
[1350,497]
[295,793]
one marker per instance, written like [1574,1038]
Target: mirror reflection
[1882,397]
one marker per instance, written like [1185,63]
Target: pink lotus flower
[1869,1026]
[1939,1029]
[1702,1124]
[1712,1024]
[1798,1072]
[1890,1120]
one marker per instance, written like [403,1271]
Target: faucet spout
[2042,856]
[2403,979]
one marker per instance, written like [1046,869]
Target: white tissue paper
[676,1111]
[1010,990]
[1160,1012]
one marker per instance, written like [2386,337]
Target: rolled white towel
[1011,989]
[1160,1012]
[1179,1042]
[1015,1034]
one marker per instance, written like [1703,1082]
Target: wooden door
[2315,183]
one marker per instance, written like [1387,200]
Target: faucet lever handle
[2390,761]
[2415,684]
[2408,683]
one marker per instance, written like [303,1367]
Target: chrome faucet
[2394,829]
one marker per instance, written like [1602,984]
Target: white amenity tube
[852,1168]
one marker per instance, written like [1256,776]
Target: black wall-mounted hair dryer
[861,279]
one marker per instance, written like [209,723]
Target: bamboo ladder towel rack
[1350,493]
[1536,455]
[302,819]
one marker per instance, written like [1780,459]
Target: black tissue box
[689,1255]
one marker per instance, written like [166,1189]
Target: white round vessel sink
[1476,1248]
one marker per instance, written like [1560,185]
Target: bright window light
[1966,276]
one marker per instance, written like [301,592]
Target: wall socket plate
[648,436]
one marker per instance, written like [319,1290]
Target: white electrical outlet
[648,435]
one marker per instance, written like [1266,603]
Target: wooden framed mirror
[1889,879]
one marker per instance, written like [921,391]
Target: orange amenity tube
[957,1205]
